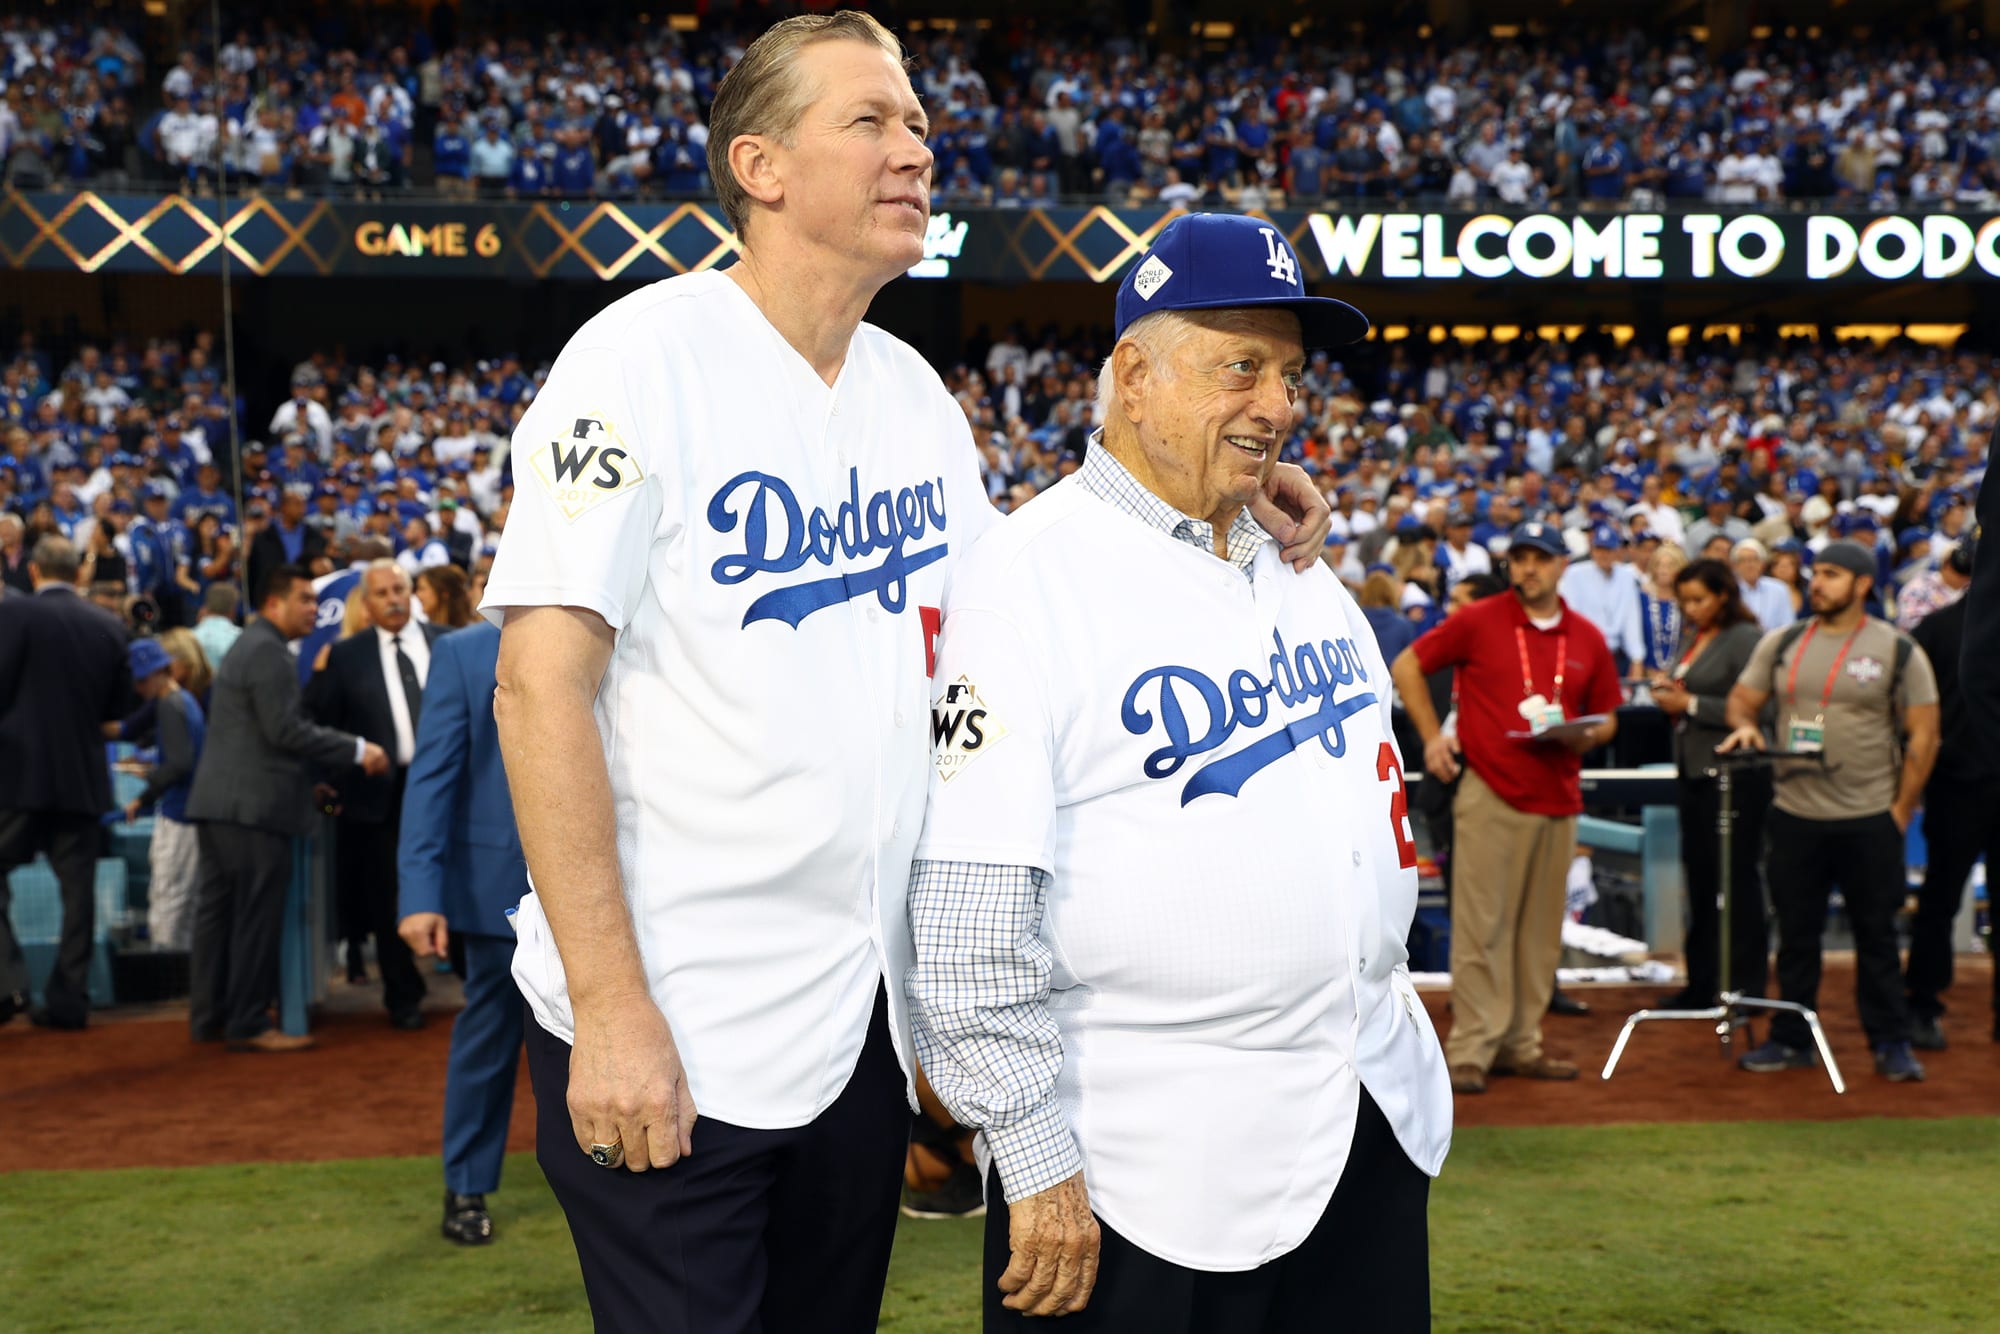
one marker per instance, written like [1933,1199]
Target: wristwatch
[1693,704]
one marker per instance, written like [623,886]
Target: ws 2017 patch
[585,468]
[963,728]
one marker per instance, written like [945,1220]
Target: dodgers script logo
[778,537]
[1199,716]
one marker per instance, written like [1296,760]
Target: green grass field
[1860,1225]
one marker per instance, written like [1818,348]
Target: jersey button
[1357,858]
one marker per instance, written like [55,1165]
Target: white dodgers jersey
[1204,766]
[771,552]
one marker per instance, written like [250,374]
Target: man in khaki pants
[1525,667]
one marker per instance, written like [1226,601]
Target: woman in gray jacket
[1719,633]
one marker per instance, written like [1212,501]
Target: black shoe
[357,967]
[1566,1005]
[961,1196]
[1926,1033]
[466,1220]
[46,1018]
[1684,999]
[11,1006]
[410,1021]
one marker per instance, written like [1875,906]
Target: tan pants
[1507,888]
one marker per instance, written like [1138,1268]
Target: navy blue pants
[758,1230]
[1364,1266]
[485,1057]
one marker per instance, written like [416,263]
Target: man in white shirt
[373,685]
[1604,590]
[1768,599]
[306,415]
[420,549]
[713,700]
[1462,556]
[1189,1037]
[1512,179]
[1661,518]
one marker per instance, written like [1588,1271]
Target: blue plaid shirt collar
[1112,482]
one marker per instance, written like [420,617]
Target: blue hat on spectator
[1607,535]
[1381,567]
[1910,536]
[1336,538]
[155,491]
[121,506]
[1542,537]
[1218,261]
[147,657]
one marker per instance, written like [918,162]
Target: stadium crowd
[125,450]
[1020,117]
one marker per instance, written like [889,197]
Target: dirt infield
[134,1092]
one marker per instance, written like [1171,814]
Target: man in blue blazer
[461,873]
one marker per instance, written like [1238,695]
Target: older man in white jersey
[736,510]
[1212,1097]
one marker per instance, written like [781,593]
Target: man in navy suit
[63,675]
[462,872]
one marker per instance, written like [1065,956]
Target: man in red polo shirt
[1525,665]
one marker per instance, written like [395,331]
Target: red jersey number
[1390,769]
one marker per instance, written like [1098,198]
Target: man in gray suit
[252,795]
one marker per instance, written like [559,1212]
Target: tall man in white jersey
[736,509]
[1167,871]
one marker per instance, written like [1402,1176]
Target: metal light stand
[1725,1015]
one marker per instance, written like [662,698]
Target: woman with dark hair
[441,591]
[1719,633]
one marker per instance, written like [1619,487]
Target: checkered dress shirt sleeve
[979,997]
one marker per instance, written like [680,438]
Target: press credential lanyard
[1527,676]
[1812,736]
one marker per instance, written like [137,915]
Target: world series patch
[962,728]
[585,468]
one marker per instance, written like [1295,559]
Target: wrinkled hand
[626,1085]
[1294,512]
[1054,1239]
[426,933]
[1441,754]
[327,798]
[1743,738]
[131,810]
[374,760]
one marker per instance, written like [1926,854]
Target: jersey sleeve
[992,782]
[588,483]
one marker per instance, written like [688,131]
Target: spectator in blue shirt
[532,177]
[1604,165]
[451,157]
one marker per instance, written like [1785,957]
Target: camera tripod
[1726,1014]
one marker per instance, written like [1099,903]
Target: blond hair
[765,93]
[186,653]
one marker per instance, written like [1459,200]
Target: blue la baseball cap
[1606,535]
[1219,261]
[147,657]
[1545,538]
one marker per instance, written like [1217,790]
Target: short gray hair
[1161,336]
[765,94]
[55,557]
